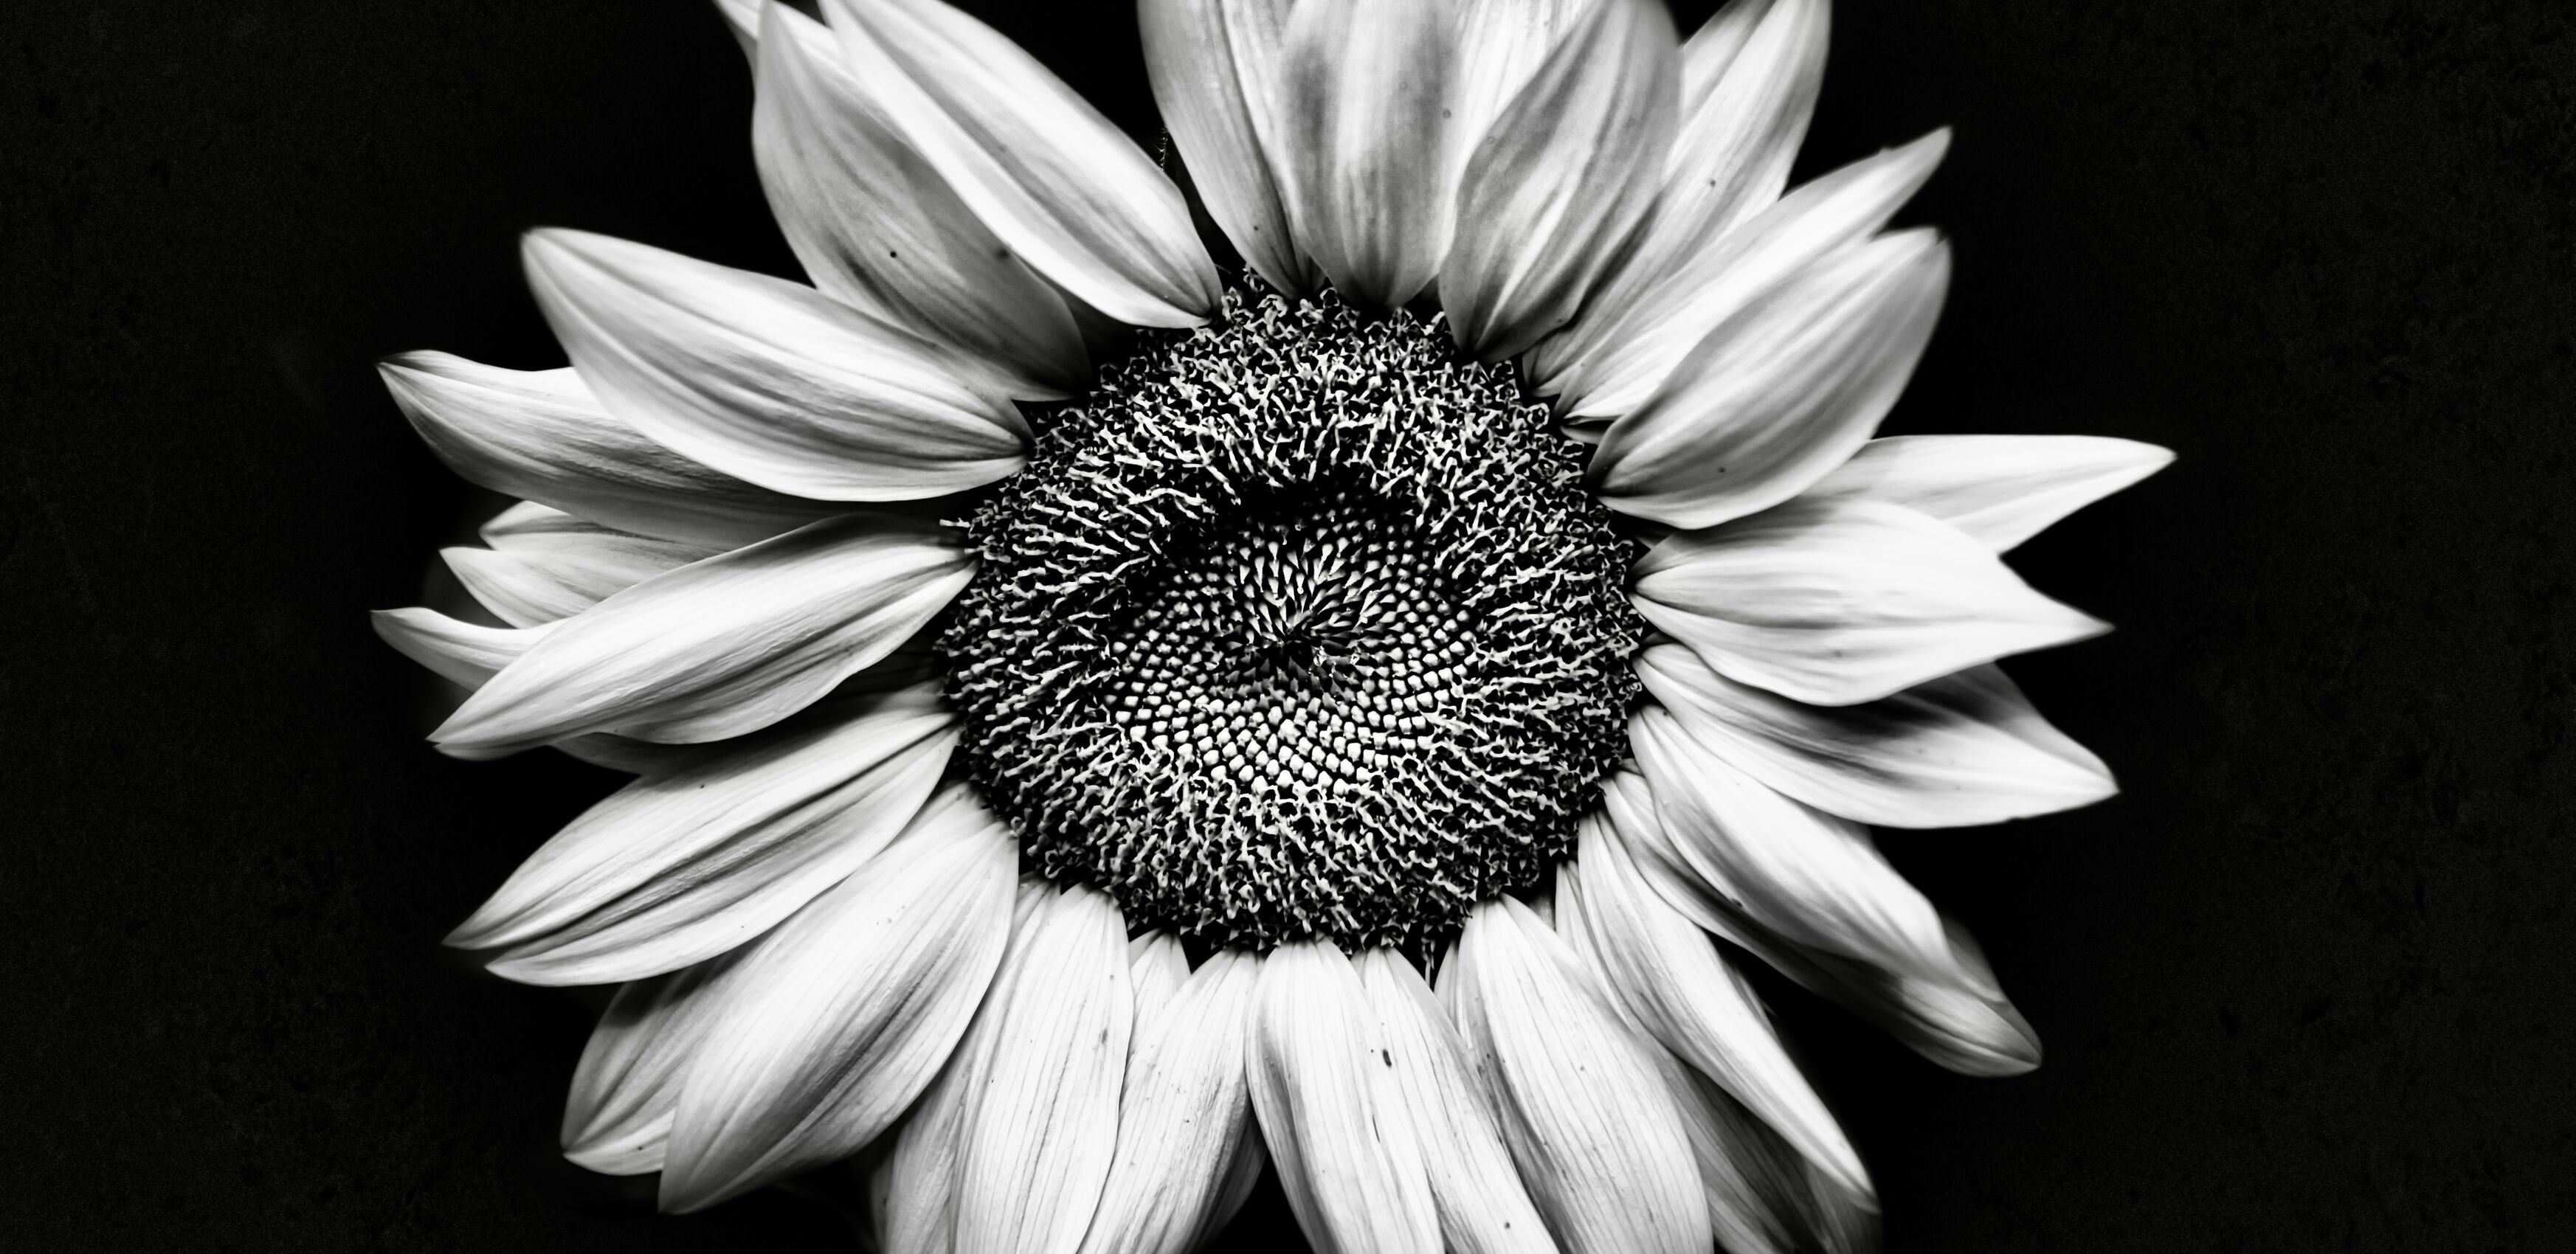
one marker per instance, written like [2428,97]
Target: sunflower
[1106,720]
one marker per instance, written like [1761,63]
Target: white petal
[769,380]
[876,226]
[1611,365]
[1583,1106]
[1999,489]
[1566,174]
[1501,43]
[696,858]
[1184,1117]
[1366,148]
[1209,61]
[1960,750]
[742,17]
[1037,1136]
[1780,394]
[723,646]
[1483,1208]
[1157,966]
[837,1022]
[465,654]
[541,435]
[1668,977]
[1050,176]
[538,575]
[918,1213]
[1843,600]
[618,1118]
[1332,1111]
[1762,1195]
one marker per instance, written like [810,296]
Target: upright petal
[723,646]
[540,434]
[688,861]
[1366,148]
[876,226]
[1840,600]
[1584,1107]
[1999,489]
[617,1120]
[1782,393]
[1184,1116]
[1960,750]
[1050,176]
[1501,43]
[1215,69]
[1332,1112]
[769,380]
[1565,175]
[539,573]
[824,1035]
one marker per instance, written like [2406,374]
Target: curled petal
[462,653]
[1365,148]
[1214,66]
[1964,749]
[1775,398]
[540,434]
[1841,600]
[875,225]
[618,1118]
[1184,1117]
[1043,170]
[770,380]
[830,1029]
[723,646]
[1999,489]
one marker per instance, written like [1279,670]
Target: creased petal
[618,1118]
[1184,1116]
[1050,176]
[1613,364]
[1501,43]
[770,380]
[540,434]
[1841,600]
[696,858]
[545,564]
[1671,981]
[830,1029]
[1780,395]
[1331,1109]
[1999,489]
[1038,1134]
[1157,966]
[1477,1191]
[875,225]
[1209,61]
[1566,174]
[1763,1195]
[1964,749]
[723,646]
[462,653]
[1583,1105]
[1366,146]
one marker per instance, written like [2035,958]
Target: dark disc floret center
[1300,625]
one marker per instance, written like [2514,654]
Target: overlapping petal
[542,568]
[1840,600]
[1365,141]
[469,654]
[830,1029]
[1781,393]
[723,646]
[693,859]
[1215,67]
[1998,489]
[1051,177]
[769,380]
[1184,1116]
[875,224]
[617,1120]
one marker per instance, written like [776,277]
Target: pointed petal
[837,1022]
[875,225]
[693,859]
[541,435]
[1778,396]
[1672,982]
[1477,1191]
[742,17]
[1960,750]
[1562,180]
[1841,600]
[1612,365]
[465,654]
[1184,1116]
[1763,1195]
[537,575]
[1209,60]
[1366,147]
[919,1178]
[617,1120]
[1999,489]
[1044,170]
[1584,1108]
[767,379]
[723,646]
[1332,1112]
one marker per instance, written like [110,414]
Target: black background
[2303,985]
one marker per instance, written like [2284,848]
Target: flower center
[1300,625]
